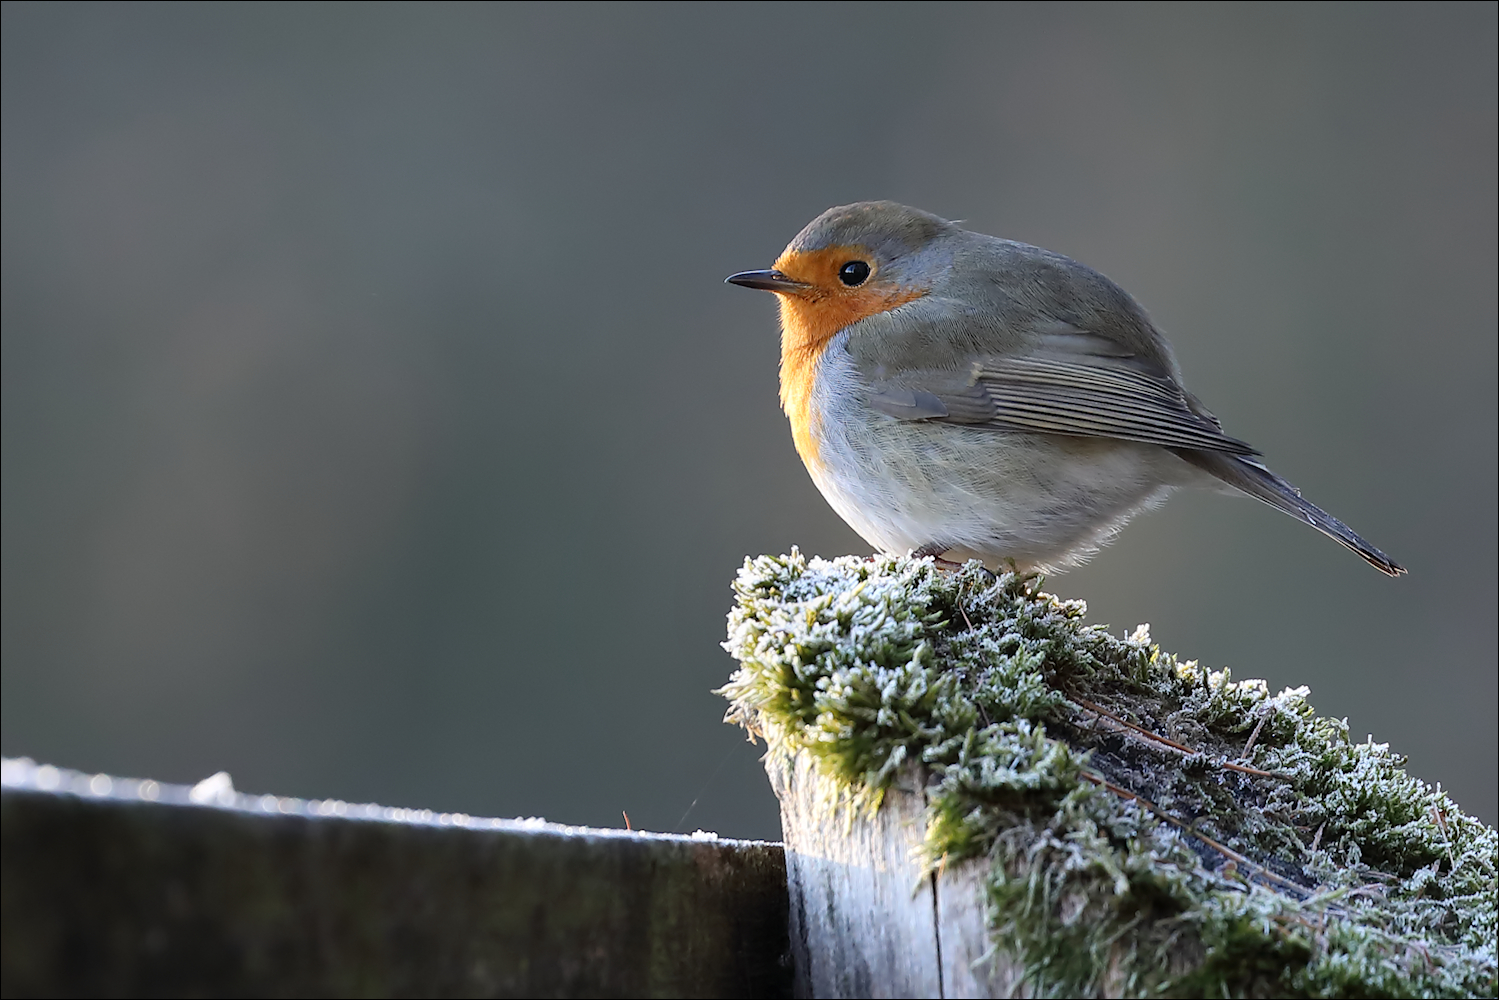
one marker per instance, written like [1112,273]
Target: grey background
[376,424]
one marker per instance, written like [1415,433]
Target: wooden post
[866,919]
[1065,812]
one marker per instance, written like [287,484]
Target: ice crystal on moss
[1316,867]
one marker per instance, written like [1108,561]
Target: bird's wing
[1082,391]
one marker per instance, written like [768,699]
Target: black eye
[854,273]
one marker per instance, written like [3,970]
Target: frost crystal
[1103,781]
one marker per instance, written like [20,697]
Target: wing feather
[1072,393]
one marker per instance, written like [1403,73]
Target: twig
[1242,769]
[1254,735]
[1139,729]
[1227,852]
[1436,814]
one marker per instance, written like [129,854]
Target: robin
[968,397]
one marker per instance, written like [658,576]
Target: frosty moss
[1196,833]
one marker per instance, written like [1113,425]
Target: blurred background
[377,425]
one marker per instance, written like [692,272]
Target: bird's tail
[1251,477]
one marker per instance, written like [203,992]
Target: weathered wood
[971,967]
[861,912]
[866,920]
[115,887]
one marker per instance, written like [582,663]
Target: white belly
[1045,501]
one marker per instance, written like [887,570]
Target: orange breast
[798,370]
[811,319]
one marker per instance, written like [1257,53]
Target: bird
[961,396]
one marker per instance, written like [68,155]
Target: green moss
[1335,874]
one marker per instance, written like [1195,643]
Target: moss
[1315,866]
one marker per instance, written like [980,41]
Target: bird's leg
[935,550]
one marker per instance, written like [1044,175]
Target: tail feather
[1251,477]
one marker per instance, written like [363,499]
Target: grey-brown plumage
[977,396]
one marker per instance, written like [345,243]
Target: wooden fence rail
[121,887]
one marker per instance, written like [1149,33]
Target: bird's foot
[934,551]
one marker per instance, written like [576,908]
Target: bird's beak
[769,281]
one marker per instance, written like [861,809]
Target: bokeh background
[377,424]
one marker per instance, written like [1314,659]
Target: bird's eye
[854,273]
